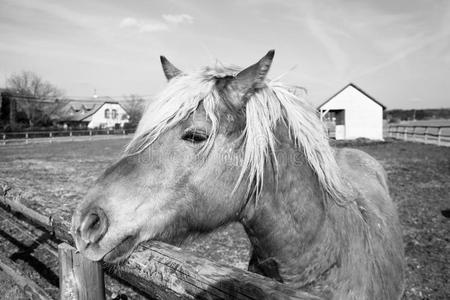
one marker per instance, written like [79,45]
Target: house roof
[78,110]
[356,87]
[82,110]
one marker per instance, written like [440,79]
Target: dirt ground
[8,289]
[52,178]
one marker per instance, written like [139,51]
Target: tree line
[397,115]
[30,102]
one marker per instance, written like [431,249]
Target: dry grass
[52,178]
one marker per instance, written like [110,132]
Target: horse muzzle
[89,228]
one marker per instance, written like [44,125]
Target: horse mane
[274,103]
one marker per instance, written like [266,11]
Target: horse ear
[252,78]
[169,70]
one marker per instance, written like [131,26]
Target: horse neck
[287,227]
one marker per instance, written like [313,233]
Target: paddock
[53,177]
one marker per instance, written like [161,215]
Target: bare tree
[134,105]
[30,84]
[36,96]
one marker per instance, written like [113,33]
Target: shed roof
[357,88]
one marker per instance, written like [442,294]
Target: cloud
[128,22]
[143,26]
[420,44]
[156,25]
[326,35]
[153,27]
[178,19]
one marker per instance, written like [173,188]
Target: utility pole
[9,108]
[12,112]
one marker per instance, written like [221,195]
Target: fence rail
[50,136]
[431,134]
[159,270]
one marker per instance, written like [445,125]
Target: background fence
[50,136]
[439,135]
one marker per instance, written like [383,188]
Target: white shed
[352,113]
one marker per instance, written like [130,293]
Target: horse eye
[194,136]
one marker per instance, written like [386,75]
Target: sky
[397,51]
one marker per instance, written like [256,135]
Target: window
[114,114]
[107,115]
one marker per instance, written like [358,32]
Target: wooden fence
[439,135]
[159,270]
[50,136]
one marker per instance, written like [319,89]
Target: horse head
[182,172]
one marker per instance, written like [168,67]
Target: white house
[352,113]
[98,113]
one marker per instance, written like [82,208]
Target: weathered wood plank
[31,289]
[79,278]
[53,225]
[198,278]
[18,208]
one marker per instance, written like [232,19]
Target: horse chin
[122,251]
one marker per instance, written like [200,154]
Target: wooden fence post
[426,135]
[26,138]
[405,133]
[439,136]
[398,132]
[79,278]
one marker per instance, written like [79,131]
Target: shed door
[340,124]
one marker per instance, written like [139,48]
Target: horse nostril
[94,226]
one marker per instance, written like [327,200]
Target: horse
[225,144]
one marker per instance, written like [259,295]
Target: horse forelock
[274,103]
